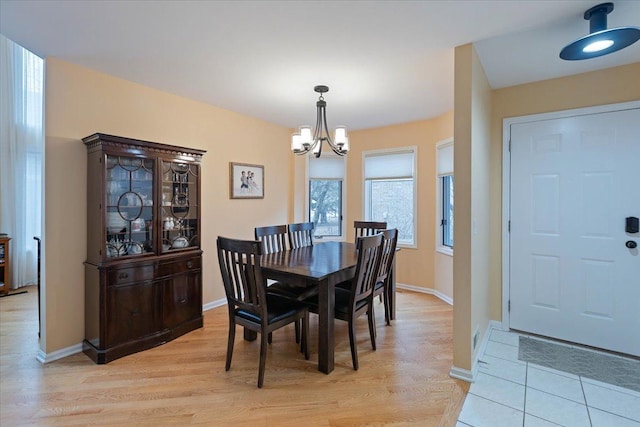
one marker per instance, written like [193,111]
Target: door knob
[631,244]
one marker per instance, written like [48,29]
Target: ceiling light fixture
[303,142]
[600,41]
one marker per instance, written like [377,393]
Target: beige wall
[478,166]
[609,86]
[80,102]
[472,204]
[416,266]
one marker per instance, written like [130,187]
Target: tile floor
[509,392]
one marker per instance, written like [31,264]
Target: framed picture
[246,181]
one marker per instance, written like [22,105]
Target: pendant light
[600,41]
[304,142]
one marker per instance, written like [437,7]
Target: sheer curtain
[21,156]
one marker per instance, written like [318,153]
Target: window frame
[366,208]
[441,247]
[343,206]
[341,214]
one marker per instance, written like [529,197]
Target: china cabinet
[143,281]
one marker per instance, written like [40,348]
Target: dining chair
[249,304]
[358,299]
[383,280]
[301,234]
[273,238]
[368,228]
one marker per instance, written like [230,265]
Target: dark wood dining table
[324,264]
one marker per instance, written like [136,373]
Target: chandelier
[303,142]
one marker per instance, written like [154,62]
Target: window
[447,210]
[444,158]
[390,191]
[21,156]
[325,196]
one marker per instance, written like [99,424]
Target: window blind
[392,165]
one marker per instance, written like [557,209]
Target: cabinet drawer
[122,276]
[168,268]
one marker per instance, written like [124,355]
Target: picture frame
[246,181]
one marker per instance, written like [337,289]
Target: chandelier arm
[326,128]
[317,132]
[319,152]
[337,151]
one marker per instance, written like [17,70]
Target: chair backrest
[368,228]
[244,284]
[389,243]
[273,238]
[369,252]
[301,234]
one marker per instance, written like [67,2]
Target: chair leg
[305,335]
[297,326]
[263,358]
[387,303]
[232,337]
[372,326]
[352,342]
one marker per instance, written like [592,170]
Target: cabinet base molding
[102,357]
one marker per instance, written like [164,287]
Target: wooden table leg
[326,342]
[250,335]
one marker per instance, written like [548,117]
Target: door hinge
[509,145]
[509,226]
[509,306]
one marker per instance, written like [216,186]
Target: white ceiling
[385,62]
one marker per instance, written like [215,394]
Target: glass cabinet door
[179,205]
[129,208]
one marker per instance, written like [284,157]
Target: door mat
[13,293]
[610,369]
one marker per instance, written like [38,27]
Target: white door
[574,180]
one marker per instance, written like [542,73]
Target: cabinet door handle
[189,264]
[123,275]
[182,300]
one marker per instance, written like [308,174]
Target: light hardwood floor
[404,382]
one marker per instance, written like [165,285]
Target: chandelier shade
[304,141]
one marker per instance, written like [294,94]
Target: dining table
[324,265]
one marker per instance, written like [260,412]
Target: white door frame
[506,181]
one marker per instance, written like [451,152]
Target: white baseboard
[429,291]
[462,374]
[470,376]
[493,324]
[223,301]
[214,304]
[43,357]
